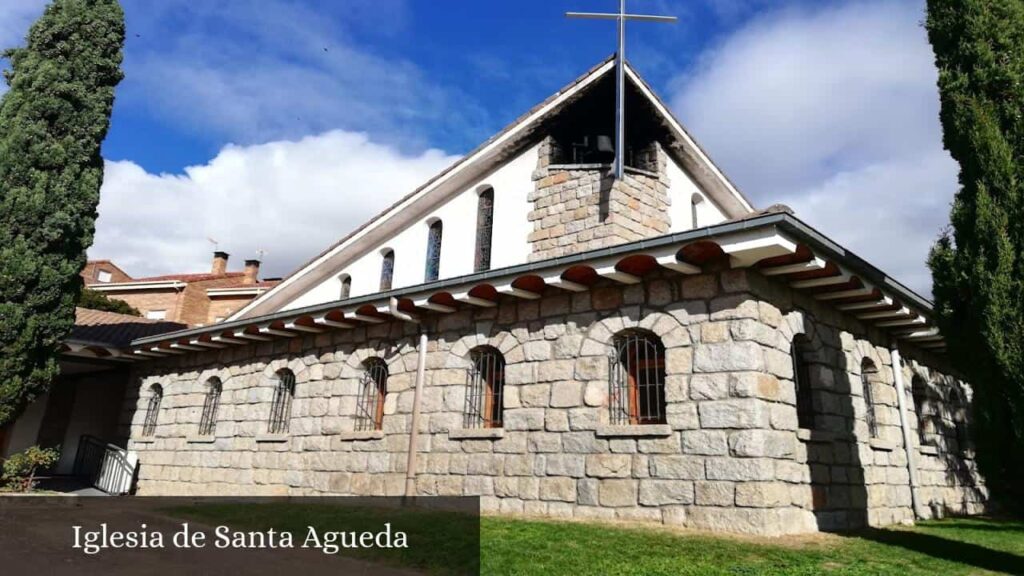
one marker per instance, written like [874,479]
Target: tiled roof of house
[116,330]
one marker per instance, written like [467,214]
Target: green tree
[52,123]
[94,300]
[978,265]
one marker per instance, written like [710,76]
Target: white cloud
[834,111]
[291,198]
[254,72]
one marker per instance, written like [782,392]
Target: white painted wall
[512,183]
[25,430]
[680,191]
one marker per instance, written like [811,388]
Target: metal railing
[105,466]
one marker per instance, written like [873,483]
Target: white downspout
[908,445]
[421,371]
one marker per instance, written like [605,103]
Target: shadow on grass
[1007,525]
[946,549]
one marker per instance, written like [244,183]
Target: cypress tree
[52,123]
[978,264]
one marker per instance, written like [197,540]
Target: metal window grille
[867,373]
[802,381]
[370,408]
[208,422]
[434,251]
[346,287]
[281,408]
[153,410]
[484,404]
[484,229]
[387,270]
[637,370]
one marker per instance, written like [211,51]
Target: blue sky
[280,125]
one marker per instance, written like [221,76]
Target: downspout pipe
[908,444]
[421,373]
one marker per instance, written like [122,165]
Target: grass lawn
[946,547]
[537,547]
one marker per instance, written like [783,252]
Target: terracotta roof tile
[116,330]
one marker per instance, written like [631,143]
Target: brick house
[193,299]
[529,329]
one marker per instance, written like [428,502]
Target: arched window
[208,422]
[637,394]
[695,201]
[346,287]
[919,390]
[868,376]
[387,270]
[484,404]
[484,229]
[802,382]
[156,396]
[370,408]
[281,408]
[434,251]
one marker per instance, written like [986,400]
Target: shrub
[20,469]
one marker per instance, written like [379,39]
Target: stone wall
[582,207]
[731,457]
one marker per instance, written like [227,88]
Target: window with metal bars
[484,405]
[374,389]
[208,422]
[802,382]
[434,251]
[868,376]
[387,270]
[156,396]
[484,229]
[919,391]
[637,371]
[346,287]
[281,407]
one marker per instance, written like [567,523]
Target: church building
[529,328]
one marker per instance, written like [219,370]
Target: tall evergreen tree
[52,123]
[978,266]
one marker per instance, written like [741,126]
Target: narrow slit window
[919,391]
[484,404]
[281,407]
[868,376]
[802,382]
[484,229]
[637,371]
[370,408]
[156,396]
[346,287]
[387,270]
[434,234]
[208,422]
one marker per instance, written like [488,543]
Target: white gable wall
[681,190]
[512,183]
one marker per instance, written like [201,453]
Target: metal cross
[620,71]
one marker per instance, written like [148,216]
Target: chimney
[220,263]
[252,272]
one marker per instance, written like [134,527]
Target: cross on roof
[620,70]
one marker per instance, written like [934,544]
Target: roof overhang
[248,291]
[776,244]
[137,286]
